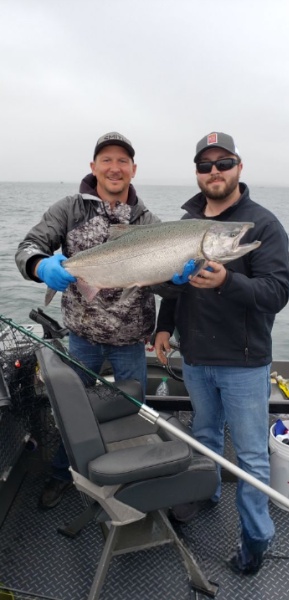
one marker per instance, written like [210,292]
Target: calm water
[22,205]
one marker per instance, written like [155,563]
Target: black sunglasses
[223,164]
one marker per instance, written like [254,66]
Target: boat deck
[41,563]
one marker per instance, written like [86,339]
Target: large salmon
[142,255]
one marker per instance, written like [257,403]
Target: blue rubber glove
[184,277]
[189,269]
[53,274]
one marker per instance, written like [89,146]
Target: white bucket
[279,465]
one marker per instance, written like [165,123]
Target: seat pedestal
[154,530]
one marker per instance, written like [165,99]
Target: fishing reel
[174,371]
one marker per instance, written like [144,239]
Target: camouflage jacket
[77,223]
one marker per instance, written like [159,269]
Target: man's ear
[92,166]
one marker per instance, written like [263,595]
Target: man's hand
[184,277]
[162,346]
[213,276]
[53,274]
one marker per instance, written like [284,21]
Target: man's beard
[219,194]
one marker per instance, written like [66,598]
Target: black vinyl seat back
[72,410]
[118,406]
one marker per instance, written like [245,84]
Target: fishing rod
[148,413]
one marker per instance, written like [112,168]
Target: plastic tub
[279,465]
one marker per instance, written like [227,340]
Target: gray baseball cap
[216,139]
[113,139]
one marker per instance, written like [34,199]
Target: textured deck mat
[36,559]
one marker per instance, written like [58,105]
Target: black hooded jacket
[232,325]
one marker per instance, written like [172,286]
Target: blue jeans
[240,397]
[128,362]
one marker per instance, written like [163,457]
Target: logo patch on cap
[114,136]
[212,138]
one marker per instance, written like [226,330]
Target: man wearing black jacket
[224,317]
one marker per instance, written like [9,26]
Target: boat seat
[130,469]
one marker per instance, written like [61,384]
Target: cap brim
[214,146]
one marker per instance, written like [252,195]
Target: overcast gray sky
[162,72]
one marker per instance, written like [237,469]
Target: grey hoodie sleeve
[148,218]
[43,239]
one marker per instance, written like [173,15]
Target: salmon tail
[48,296]
[86,290]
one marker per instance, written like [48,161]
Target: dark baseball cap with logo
[216,139]
[113,139]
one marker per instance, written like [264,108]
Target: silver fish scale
[147,254]
[146,238]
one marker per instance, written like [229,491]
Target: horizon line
[184,183]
